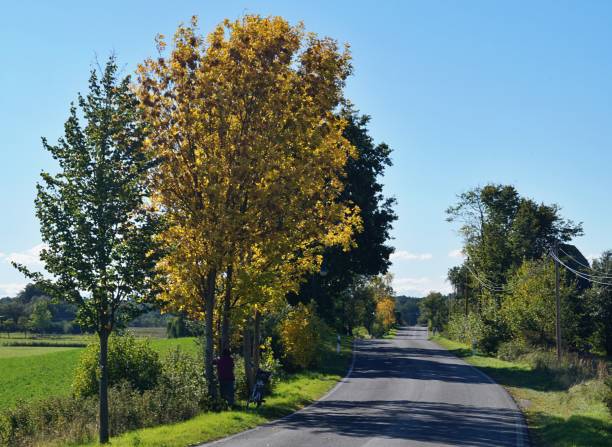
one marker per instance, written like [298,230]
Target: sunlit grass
[556,415]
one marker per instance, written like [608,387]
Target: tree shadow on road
[408,420]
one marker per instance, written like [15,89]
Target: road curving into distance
[401,392]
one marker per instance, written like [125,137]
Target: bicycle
[261,380]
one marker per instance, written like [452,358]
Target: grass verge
[291,394]
[556,415]
[391,334]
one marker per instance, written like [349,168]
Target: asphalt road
[401,392]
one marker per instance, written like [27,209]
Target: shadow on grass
[535,379]
[579,431]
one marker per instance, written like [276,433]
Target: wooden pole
[557,303]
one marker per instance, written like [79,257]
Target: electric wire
[599,274]
[486,283]
[578,273]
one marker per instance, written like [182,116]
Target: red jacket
[225,368]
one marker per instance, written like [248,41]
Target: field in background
[33,372]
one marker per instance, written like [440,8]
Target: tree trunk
[247,350]
[225,325]
[103,391]
[256,343]
[209,304]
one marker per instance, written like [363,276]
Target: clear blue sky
[464,92]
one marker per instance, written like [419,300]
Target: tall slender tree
[97,230]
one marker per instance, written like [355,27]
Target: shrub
[128,360]
[301,335]
[570,370]
[464,330]
[512,350]
[177,327]
[182,375]
[55,418]
[608,394]
[361,332]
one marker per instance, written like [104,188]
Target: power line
[486,283]
[578,273]
[599,275]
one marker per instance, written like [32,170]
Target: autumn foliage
[251,156]
[301,335]
[385,312]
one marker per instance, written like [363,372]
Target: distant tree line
[32,310]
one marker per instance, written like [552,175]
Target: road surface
[401,392]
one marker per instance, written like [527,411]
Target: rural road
[402,392]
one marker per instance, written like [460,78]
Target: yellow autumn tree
[250,160]
[301,335]
[385,303]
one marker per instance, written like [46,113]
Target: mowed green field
[31,373]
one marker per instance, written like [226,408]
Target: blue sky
[465,93]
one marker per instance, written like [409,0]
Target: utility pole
[557,302]
[465,296]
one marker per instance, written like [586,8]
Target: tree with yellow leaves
[251,157]
[385,303]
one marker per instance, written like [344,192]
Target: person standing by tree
[225,373]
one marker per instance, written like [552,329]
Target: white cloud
[420,286]
[458,254]
[11,289]
[29,258]
[403,255]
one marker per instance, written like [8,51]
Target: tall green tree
[529,308]
[40,319]
[369,256]
[501,229]
[434,311]
[97,230]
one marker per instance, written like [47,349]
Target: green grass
[557,415]
[7,352]
[291,394]
[391,334]
[37,375]
[31,373]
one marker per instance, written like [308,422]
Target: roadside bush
[128,360]
[464,330]
[182,375]
[361,332]
[512,350]
[377,330]
[55,418]
[492,336]
[301,334]
[608,394]
[570,370]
